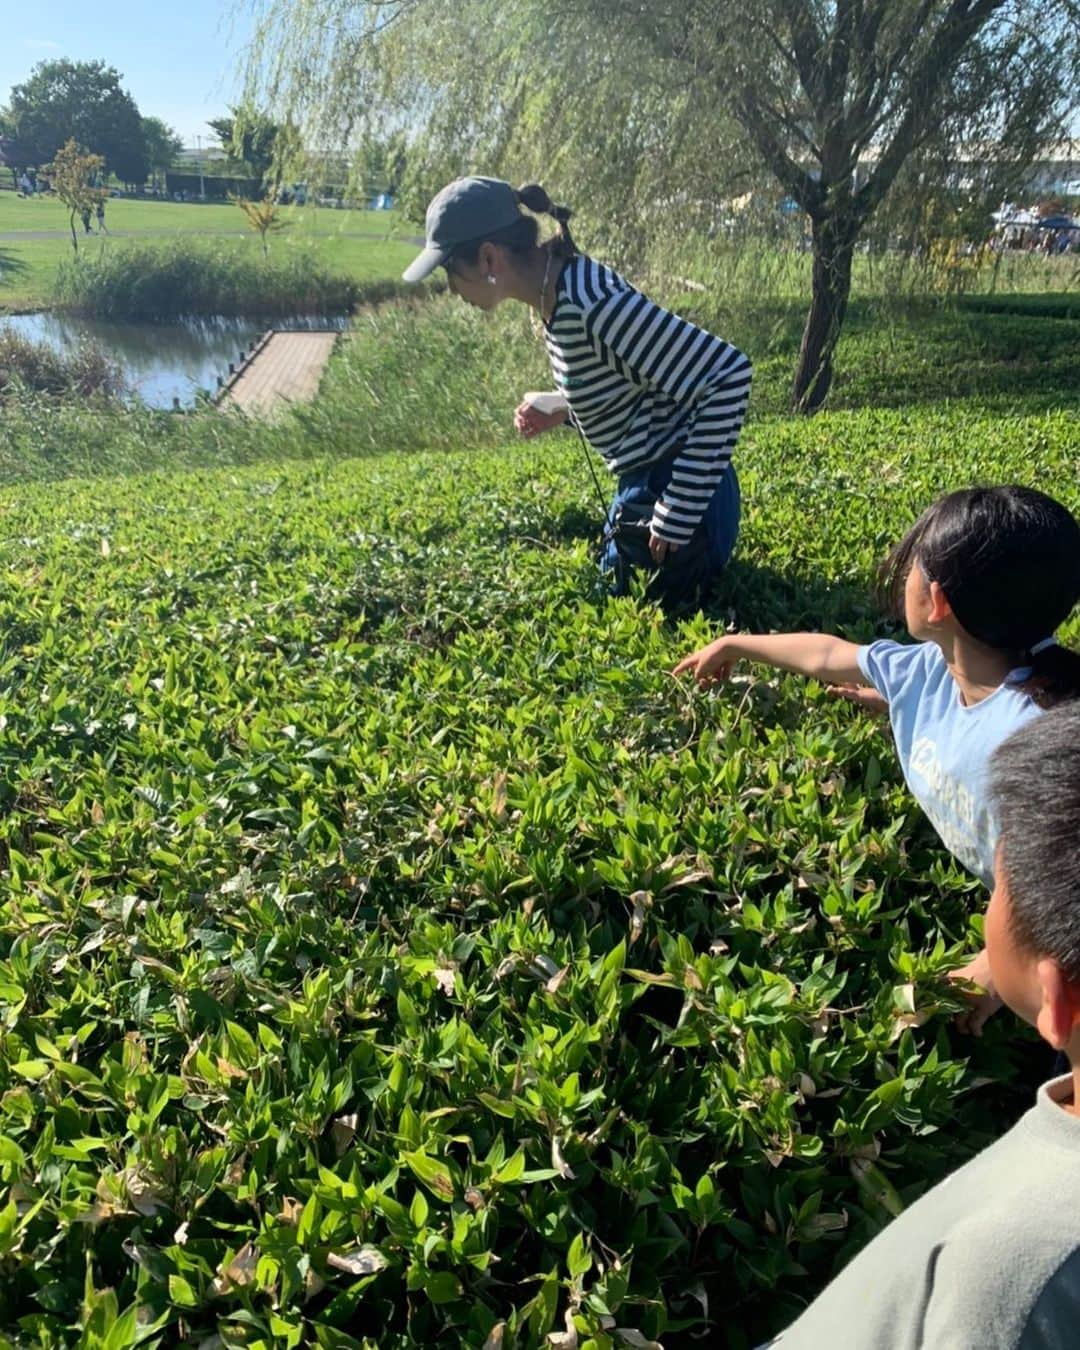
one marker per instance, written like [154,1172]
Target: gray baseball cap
[465,210]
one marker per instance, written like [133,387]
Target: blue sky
[178,61]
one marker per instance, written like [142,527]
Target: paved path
[285,368]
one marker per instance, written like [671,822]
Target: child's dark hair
[521,238]
[1035,789]
[1008,560]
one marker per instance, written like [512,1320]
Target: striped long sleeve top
[642,383]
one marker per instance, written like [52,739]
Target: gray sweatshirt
[987,1260]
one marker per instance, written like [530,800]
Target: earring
[491,280]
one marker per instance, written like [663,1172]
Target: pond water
[166,361]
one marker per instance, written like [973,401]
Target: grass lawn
[360,243]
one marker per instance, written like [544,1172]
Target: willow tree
[499,88]
[832,99]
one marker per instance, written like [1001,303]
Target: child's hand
[710,664]
[863,696]
[983,999]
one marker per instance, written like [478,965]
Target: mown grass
[364,245]
[388,948]
[130,213]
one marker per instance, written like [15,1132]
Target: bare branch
[964,19]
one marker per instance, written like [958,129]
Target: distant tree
[163,145]
[254,139]
[74,174]
[14,151]
[81,101]
[264,217]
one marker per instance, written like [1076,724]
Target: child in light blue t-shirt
[982,580]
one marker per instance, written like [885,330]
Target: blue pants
[685,576]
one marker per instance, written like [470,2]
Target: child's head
[1006,562]
[1033,923]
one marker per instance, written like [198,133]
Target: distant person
[100,214]
[990,1258]
[85,213]
[661,400]
[982,580]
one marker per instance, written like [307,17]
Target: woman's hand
[530,420]
[659,549]
[984,1000]
[712,663]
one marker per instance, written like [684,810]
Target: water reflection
[162,362]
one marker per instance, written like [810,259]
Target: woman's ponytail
[533,196]
[1055,674]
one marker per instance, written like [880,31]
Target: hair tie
[1042,646]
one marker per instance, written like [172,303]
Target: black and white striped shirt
[642,382]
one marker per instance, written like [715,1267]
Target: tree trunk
[833,241]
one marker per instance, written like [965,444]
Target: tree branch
[755,122]
[961,23]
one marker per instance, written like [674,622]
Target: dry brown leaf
[559,1162]
[239,1272]
[145,1200]
[689,879]
[498,797]
[905,1020]
[444,978]
[495,1337]
[365,1260]
[342,1133]
[555,983]
[291,1209]
[641,900]
[568,1339]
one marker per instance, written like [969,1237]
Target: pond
[162,362]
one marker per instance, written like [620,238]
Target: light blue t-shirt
[945,746]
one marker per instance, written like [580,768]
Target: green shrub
[41,369]
[389,950]
[188,277]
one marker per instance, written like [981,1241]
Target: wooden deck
[283,368]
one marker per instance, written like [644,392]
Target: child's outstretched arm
[815,655]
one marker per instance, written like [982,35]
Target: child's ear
[1059,1011]
[940,609]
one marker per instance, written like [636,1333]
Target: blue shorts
[685,576]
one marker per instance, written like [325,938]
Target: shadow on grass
[1012,352]
[13,268]
[762,600]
